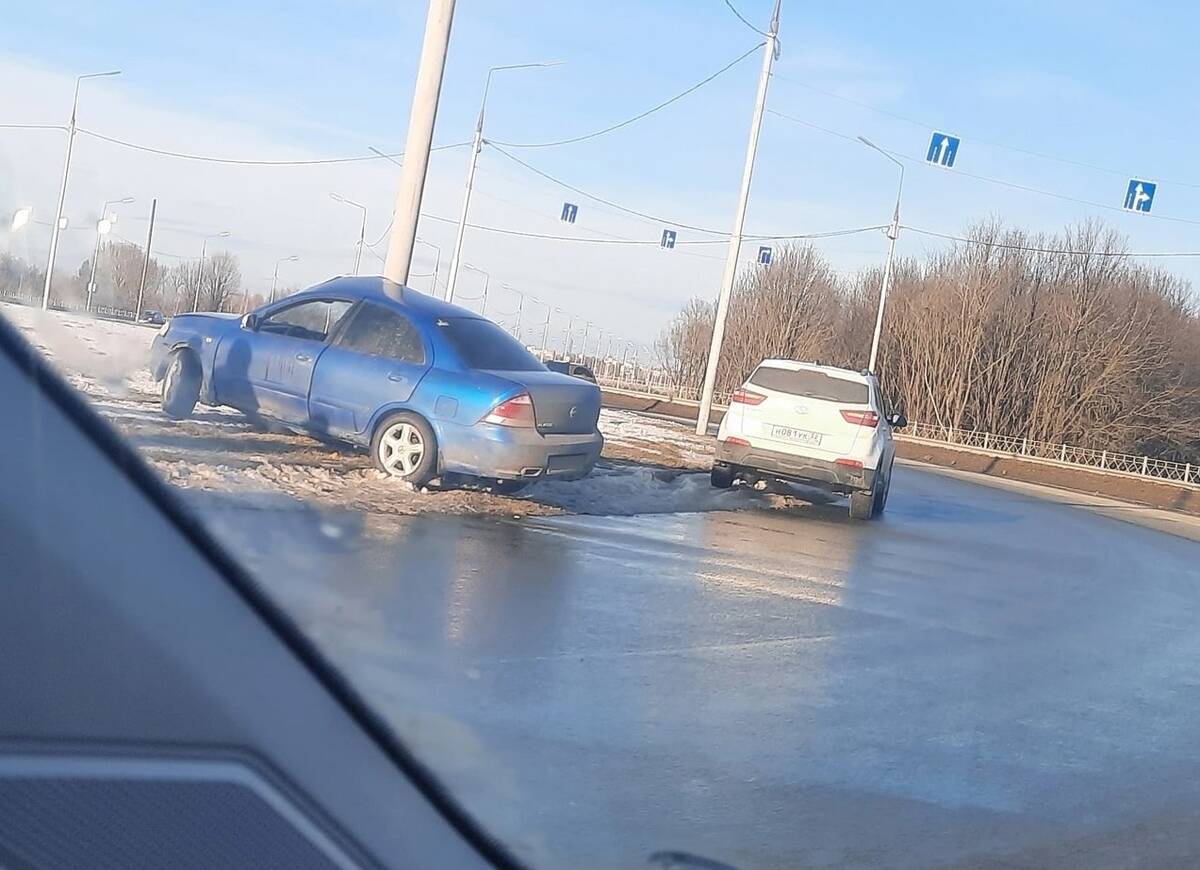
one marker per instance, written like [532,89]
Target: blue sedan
[429,388]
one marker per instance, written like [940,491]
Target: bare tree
[1058,338]
[220,282]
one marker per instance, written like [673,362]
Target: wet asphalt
[981,678]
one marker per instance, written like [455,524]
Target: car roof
[862,377]
[382,290]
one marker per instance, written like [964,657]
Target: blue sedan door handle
[397,377]
[303,357]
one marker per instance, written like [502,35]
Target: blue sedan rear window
[483,345]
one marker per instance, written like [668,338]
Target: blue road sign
[1139,196]
[764,256]
[569,212]
[668,239]
[943,149]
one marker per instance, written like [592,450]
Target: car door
[378,358]
[283,352]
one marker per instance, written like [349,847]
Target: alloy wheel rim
[401,449]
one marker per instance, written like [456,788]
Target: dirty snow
[650,465]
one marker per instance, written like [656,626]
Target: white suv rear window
[814,385]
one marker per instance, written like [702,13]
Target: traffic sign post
[943,148]
[570,211]
[668,239]
[764,255]
[1139,196]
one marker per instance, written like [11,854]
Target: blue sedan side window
[311,320]
[379,331]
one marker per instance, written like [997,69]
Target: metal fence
[651,384]
[1065,454]
[56,304]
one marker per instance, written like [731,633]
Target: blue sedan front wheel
[404,446]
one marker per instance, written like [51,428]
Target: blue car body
[326,385]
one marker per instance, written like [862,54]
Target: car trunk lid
[562,405]
[802,410]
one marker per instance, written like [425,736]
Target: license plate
[796,436]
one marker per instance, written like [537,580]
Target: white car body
[814,424]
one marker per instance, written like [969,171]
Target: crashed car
[429,388]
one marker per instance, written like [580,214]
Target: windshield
[483,345]
[700,433]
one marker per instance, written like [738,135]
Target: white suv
[814,424]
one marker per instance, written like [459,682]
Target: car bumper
[511,453]
[803,469]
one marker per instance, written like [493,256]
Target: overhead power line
[602,200]
[637,117]
[999,181]
[1014,148]
[742,18]
[1035,249]
[33,126]
[240,161]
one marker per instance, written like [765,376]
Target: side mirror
[897,421]
[250,321]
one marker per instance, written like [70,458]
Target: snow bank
[651,464]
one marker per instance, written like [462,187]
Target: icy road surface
[980,679]
[650,465]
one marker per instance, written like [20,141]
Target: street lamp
[62,188]
[21,217]
[437,265]
[892,232]
[224,234]
[362,232]
[486,280]
[103,228]
[476,147]
[275,278]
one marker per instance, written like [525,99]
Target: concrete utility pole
[892,233]
[739,220]
[420,137]
[137,316]
[476,147]
[56,228]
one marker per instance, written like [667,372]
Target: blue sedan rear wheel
[404,446]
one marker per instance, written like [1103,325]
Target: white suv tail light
[861,418]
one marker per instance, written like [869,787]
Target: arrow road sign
[1139,196]
[569,212]
[668,239]
[764,256]
[943,149]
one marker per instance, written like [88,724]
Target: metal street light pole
[545,326]
[739,221]
[362,232]
[275,278]
[224,234]
[892,233]
[476,147]
[437,266]
[407,212]
[486,280]
[103,225]
[569,336]
[62,188]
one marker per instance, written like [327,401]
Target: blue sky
[1109,84]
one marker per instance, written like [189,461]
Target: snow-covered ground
[650,465]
